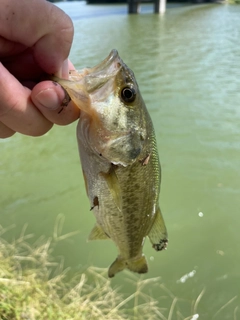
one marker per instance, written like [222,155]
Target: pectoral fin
[158,234]
[97,233]
[113,186]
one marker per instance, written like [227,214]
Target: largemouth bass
[119,160]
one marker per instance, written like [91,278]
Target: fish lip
[99,75]
[113,55]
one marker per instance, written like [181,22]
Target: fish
[120,162]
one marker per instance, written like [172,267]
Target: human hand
[35,40]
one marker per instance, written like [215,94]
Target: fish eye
[128,94]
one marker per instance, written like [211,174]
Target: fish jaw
[96,77]
[117,130]
[89,80]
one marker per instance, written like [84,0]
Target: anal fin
[97,233]
[158,233]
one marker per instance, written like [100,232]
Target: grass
[33,286]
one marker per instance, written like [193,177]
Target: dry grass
[32,287]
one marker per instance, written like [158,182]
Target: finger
[70,65]
[49,32]
[17,110]
[63,72]
[23,66]
[9,48]
[5,132]
[30,83]
[49,98]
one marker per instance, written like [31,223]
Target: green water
[187,64]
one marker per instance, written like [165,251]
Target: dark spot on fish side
[134,153]
[95,203]
[136,186]
[161,245]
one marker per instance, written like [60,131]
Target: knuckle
[11,105]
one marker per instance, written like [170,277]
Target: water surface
[187,64]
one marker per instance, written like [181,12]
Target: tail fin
[118,265]
[138,265]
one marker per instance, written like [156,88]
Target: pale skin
[35,40]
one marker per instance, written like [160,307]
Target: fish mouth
[113,55]
[99,75]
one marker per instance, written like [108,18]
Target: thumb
[17,110]
[54,103]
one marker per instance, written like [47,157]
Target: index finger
[40,25]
